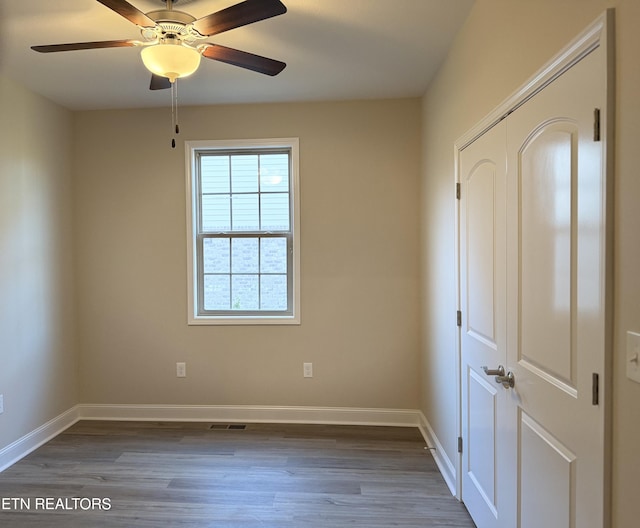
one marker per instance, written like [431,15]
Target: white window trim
[190,148]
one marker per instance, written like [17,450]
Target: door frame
[598,34]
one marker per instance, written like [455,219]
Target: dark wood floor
[189,475]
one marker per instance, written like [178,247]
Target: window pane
[216,254]
[214,172]
[273,255]
[244,257]
[244,174]
[274,212]
[273,292]
[217,292]
[274,173]
[216,213]
[245,292]
[245,212]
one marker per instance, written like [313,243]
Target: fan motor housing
[164,15]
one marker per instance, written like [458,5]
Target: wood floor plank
[189,475]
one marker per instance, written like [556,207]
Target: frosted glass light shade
[170,60]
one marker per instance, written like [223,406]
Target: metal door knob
[507,381]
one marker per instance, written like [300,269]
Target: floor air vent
[234,427]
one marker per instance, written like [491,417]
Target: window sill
[234,321]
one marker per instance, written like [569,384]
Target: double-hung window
[243,211]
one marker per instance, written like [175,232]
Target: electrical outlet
[307,370]
[181,370]
[1,403]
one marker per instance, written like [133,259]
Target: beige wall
[37,334]
[359,172]
[501,45]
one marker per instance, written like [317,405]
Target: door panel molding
[546,175]
[480,225]
[540,454]
[481,462]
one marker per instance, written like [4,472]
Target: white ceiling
[334,50]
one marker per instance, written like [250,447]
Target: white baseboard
[10,454]
[445,465]
[255,414]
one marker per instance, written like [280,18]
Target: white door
[485,411]
[556,324]
[532,296]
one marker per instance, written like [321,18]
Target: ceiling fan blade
[85,45]
[238,15]
[129,12]
[244,60]
[159,83]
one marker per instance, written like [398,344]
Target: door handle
[494,372]
[507,381]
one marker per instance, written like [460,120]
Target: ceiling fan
[172,40]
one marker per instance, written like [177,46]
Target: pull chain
[177,127]
[174,111]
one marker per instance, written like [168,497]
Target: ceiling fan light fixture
[171,60]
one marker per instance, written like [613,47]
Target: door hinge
[596,124]
[459,318]
[459,444]
[595,389]
[457,191]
